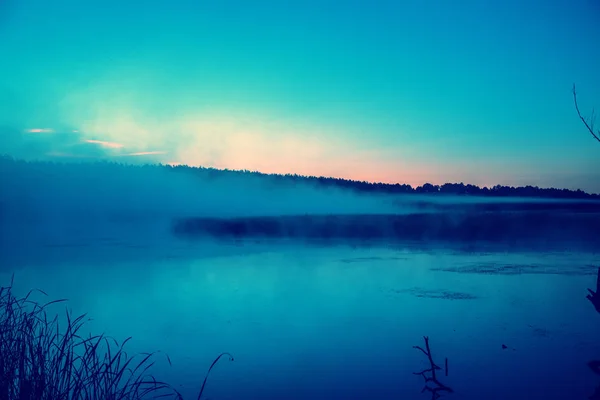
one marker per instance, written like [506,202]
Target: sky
[408,91]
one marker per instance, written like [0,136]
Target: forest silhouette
[9,165]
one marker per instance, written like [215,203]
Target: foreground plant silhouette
[41,361]
[594,298]
[430,374]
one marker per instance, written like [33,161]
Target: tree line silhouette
[8,163]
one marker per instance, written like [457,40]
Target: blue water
[309,321]
[318,293]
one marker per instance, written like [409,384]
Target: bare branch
[590,125]
[429,374]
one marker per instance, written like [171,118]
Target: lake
[326,320]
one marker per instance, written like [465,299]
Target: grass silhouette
[44,359]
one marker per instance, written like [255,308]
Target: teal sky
[393,91]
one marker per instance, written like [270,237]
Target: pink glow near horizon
[297,155]
[228,141]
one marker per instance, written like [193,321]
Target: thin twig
[432,377]
[589,127]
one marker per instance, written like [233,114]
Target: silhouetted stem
[210,368]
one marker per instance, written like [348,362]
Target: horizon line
[174,165]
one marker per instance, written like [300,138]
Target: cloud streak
[39,130]
[65,144]
[108,145]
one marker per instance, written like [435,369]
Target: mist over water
[318,293]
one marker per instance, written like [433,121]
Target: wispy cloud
[39,130]
[108,145]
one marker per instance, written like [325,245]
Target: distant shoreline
[8,163]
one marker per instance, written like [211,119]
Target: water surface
[309,321]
